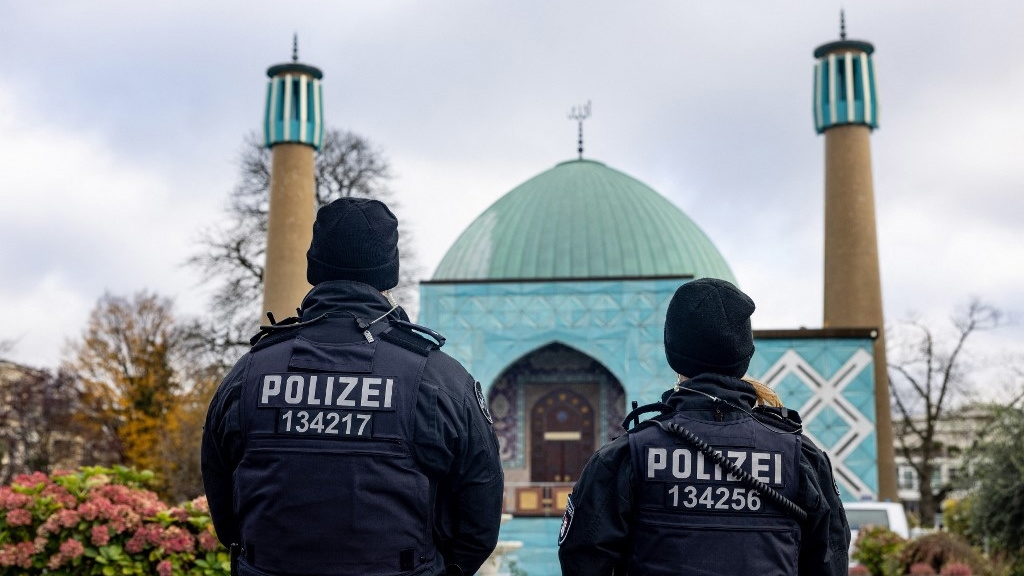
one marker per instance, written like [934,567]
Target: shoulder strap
[636,412]
[286,324]
[412,337]
[780,417]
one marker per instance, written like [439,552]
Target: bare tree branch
[929,369]
[39,424]
[231,258]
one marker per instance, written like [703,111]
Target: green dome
[581,220]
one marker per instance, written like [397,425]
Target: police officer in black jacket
[345,442]
[713,485]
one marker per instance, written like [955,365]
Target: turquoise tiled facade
[619,323]
[490,325]
[830,382]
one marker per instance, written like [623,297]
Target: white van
[888,514]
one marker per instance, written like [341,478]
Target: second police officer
[345,442]
[713,486]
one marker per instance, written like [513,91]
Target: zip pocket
[333,451]
[717,527]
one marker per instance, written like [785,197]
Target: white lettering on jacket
[297,390]
[665,465]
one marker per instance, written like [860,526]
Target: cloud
[77,221]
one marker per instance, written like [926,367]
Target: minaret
[846,111]
[293,130]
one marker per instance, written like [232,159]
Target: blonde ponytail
[765,395]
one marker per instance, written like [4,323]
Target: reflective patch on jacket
[483,403]
[563,531]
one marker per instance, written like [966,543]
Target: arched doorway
[552,409]
[562,436]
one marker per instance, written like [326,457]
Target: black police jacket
[347,443]
[627,513]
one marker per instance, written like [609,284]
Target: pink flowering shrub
[921,569]
[956,569]
[103,521]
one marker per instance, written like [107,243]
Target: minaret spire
[579,114]
[846,111]
[293,130]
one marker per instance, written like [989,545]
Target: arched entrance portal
[562,436]
[552,409]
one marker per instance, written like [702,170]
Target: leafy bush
[997,511]
[913,519]
[921,569]
[878,549]
[939,550]
[103,521]
[956,516]
[858,570]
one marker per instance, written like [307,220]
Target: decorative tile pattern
[830,382]
[551,365]
[492,325]
[506,409]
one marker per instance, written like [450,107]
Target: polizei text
[340,391]
[690,464]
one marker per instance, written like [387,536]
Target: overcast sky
[121,124]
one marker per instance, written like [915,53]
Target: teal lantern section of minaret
[844,84]
[294,107]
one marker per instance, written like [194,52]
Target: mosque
[555,296]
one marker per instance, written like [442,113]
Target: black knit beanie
[354,239]
[707,329]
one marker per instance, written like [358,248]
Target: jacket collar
[691,393]
[355,298]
